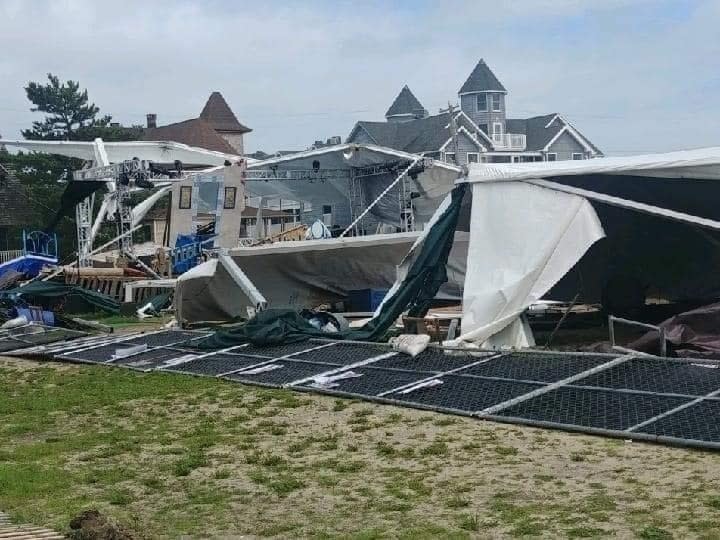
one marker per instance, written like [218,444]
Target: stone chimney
[151,120]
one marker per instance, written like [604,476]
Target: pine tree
[67,109]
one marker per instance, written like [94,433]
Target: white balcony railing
[509,141]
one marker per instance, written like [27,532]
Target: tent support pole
[385,192]
[628,205]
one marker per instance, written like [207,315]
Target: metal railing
[509,141]
[10,254]
[611,327]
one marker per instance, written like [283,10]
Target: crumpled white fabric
[523,239]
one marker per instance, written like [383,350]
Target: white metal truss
[116,203]
[304,174]
[83,220]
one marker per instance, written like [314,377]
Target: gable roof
[415,136]
[405,103]
[218,114]
[195,132]
[539,131]
[482,79]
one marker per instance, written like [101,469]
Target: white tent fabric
[432,184]
[139,211]
[523,239]
[701,164]
[216,290]
[161,151]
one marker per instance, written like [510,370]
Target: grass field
[170,455]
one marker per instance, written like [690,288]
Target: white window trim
[492,102]
[476,154]
[497,131]
[577,154]
[472,137]
[477,108]
[547,156]
[567,128]
[445,157]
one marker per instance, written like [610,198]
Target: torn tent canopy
[71,297]
[423,272]
[269,327]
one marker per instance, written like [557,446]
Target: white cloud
[296,72]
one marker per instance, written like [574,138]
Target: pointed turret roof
[405,103]
[219,115]
[482,79]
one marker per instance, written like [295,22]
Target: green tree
[66,107]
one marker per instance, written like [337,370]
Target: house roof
[195,132]
[482,79]
[218,114]
[405,103]
[540,130]
[431,133]
[14,205]
[415,136]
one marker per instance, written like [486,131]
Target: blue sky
[633,75]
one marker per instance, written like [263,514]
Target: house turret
[405,107]
[482,98]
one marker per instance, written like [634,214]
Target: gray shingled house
[485,134]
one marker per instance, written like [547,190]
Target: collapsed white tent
[273,179]
[527,232]
[157,151]
[216,290]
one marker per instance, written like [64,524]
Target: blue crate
[366,299]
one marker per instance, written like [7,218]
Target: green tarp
[46,292]
[422,282]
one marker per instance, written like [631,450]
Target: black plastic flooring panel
[371,381]
[98,354]
[25,338]
[216,364]
[151,359]
[644,398]
[168,337]
[467,394]
[538,367]
[276,351]
[584,407]
[699,422]
[343,353]
[659,375]
[431,360]
[286,372]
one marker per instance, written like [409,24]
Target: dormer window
[482,103]
[496,106]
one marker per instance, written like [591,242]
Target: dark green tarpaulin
[73,194]
[52,291]
[424,278]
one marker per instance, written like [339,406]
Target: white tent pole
[385,192]
[629,205]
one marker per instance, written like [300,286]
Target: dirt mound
[92,525]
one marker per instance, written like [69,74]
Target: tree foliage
[67,110]
[70,116]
